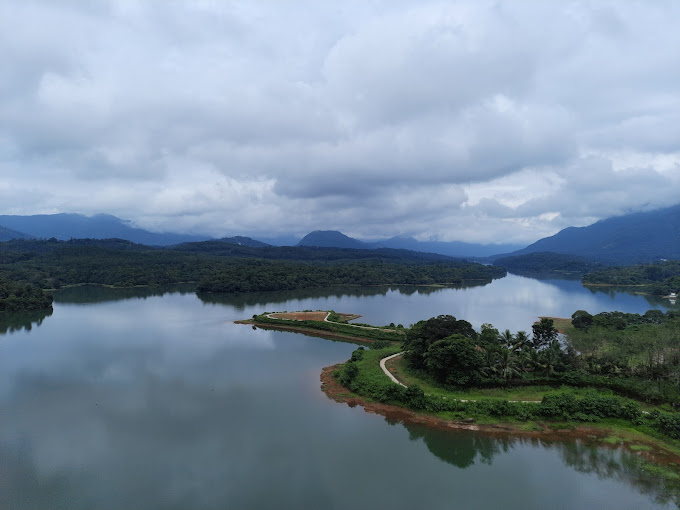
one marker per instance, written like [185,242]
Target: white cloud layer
[480,121]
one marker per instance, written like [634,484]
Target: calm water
[159,402]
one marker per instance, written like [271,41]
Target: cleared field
[300,316]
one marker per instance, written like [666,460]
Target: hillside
[100,226]
[450,248]
[7,234]
[335,239]
[244,241]
[633,238]
[331,239]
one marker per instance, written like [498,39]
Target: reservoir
[154,399]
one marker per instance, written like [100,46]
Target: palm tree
[506,365]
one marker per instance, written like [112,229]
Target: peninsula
[441,372]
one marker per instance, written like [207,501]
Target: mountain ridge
[66,226]
[628,239]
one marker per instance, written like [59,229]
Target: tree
[454,360]
[424,333]
[544,333]
[581,319]
[489,336]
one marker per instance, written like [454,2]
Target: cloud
[471,120]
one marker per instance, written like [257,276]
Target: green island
[611,377]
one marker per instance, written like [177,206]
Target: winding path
[387,372]
[395,380]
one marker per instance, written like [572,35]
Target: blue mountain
[629,239]
[101,226]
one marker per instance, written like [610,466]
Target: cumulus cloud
[481,121]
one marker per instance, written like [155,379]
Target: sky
[477,121]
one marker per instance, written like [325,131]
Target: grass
[561,324]
[407,376]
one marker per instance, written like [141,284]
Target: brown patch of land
[300,316]
[561,323]
[396,414]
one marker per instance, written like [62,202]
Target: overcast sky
[498,121]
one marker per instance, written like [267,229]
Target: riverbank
[650,449]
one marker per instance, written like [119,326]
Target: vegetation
[660,278]
[53,264]
[548,264]
[609,366]
[17,297]
[378,334]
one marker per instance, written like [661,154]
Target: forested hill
[7,234]
[331,239]
[309,253]
[630,239]
[222,266]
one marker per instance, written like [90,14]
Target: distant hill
[630,239]
[279,240]
[100,226]
[450,248]
[244,241]
[6,234]
[335,239]
[332,239]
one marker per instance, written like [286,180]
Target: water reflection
[460,449]
[101,294]
[11,322]
[163,403]
[242,300]
[464,449]
[621,465]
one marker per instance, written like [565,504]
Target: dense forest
[18,297]
[224,267]
[257,275]
[609,366]
[660,278]
[636,355]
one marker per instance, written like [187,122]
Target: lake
[154,399]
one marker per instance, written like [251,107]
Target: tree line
[52,264]
[632,354]
[659,278]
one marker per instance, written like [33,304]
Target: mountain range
[333,238]
[629,239]
[77,226]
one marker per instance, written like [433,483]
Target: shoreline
[595,435]
[307,331]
